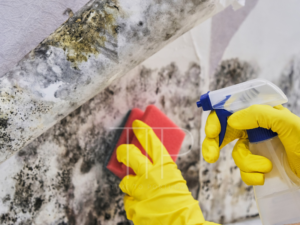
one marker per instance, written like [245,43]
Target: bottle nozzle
[204,102]
[199,104]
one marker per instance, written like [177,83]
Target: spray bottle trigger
[222,115]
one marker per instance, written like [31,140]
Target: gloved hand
[253,167]
[157,194]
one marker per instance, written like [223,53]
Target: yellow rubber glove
[252,167]
[279,120]
[157,194]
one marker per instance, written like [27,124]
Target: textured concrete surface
[96,45]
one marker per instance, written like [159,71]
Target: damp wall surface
[59,178]
[96,45]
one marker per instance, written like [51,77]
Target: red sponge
[169,134]
[167,131]
[125,137]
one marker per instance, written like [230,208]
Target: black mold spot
[23,193]
[6,198]
[107,216]
[3,123]
[289,84]
[157,90]
[62,223]
[71,216]
[167,37]
[6,139]
[91,219]
[205,172]
[6,219]
[109,91]
[222,219]
[249,188]
[162,101]
[188,127]
[117,29]
[252,216]
[28,152]
[102,200]
[124,223]
[86,166]
[42,51]
[26,188]
[38,203]
[64,179]
[192,176]
[68,12]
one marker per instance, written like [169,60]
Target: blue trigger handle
[222,115]
[254,135]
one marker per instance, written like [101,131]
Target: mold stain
[3,122]
[88,145]
[86,33]
[289,83]
[232,71]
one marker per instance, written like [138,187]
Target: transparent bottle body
[243,95]
[278,200]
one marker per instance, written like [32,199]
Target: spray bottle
[278,200]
